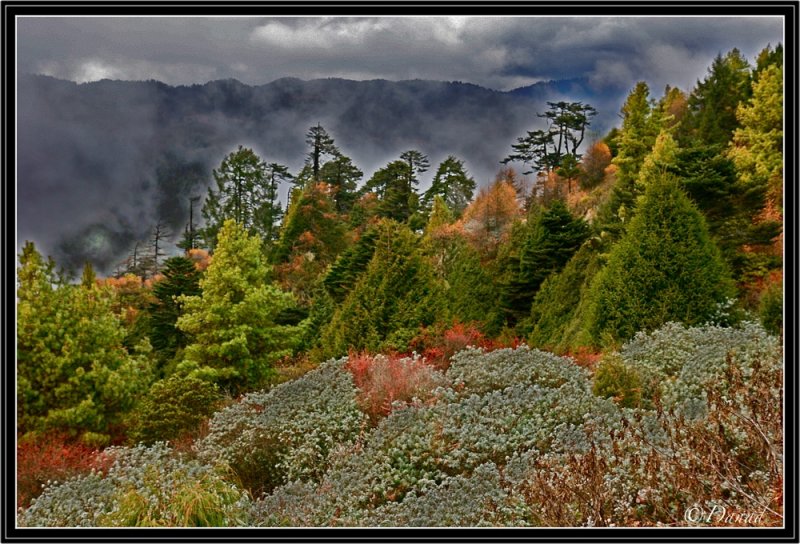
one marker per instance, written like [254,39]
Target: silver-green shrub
[680,363]
[476,371]
[420,447]
[286,433]
[145,486]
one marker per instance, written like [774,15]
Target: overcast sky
[496,52]
[500,53]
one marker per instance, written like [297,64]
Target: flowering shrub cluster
[285,433]
[513,437]
[145,486]
[420,446]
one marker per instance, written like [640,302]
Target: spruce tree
[343,176]
[550,241]
[641,124]
[714,100]
[343,274]
[395,296]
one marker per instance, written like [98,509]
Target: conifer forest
[594,338]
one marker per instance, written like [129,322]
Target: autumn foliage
[385,379]
[488,219]
[50,458]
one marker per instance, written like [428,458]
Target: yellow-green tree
[757,147]
[73,372]
[235,339]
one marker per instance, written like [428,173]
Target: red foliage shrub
[438,347]
[585,357]
[383,379]
[54,457]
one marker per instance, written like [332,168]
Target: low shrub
[770,309]
[678,363]
[174,408]
[418,446]
[477,371]
[477,500]
[614,379]
[42,458]
[144,486]
[286,433]
[437,347]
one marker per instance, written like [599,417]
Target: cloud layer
[495,52]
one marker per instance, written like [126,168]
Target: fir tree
[551,240]
[246,192]
[395,296]
[714,100]
[320,144]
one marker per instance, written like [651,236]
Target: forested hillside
[592,339]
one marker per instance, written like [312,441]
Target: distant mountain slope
[99,163]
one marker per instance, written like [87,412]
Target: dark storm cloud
[496,52]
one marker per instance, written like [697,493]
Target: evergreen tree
[665,268]
[88,278]
[320,144]
[757,147]
[550,241]
[399,200]
[440,216]
[343,176]
[556,319]
[768,57]
[714,100]
[452,183]
[544,150]
[73,373]
[246,192]
[417,164]
[344,273]
[312,225]
[234,337]
[181,277]
[270,212]
[394,297]
[471,293]
[641,124]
